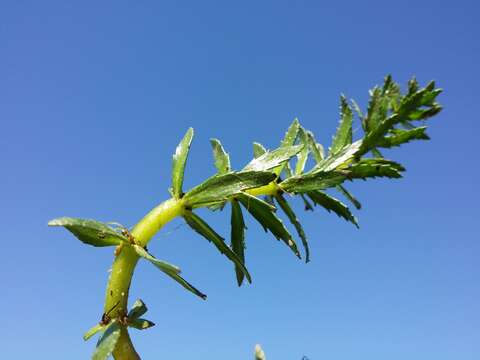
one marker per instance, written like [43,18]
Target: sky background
[94,97]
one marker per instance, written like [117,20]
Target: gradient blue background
[94,97]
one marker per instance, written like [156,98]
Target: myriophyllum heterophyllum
[262,186]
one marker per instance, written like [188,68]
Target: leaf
[367,168]
[264,214]
[220,187]
[295,222]
[272,159]
[332,204]
[138,309]
[302,156]
[107,342]
[349,196]
[222,160]
[238,238]
[179,162]
[399,137]
[90,232]
[335,160]
[92,331]
[258,150]
[312,181]
[288,140]
[140,324]
[170,270]
[162,265]
[201,227]
[408,106]
[343,137]
[315,148]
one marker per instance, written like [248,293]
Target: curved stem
[123,267]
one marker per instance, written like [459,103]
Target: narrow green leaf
[313,181]
[273,159]
[162,265]
[357,109]
[408,106]
[265,215]
[302,156]
[288,140]
[140,324]
[332,204]
[138,309]
[107,342]
[315,148]
[368,168]
[349,197]
[238,238]
[92,331]
[220,187]
[399,136]
[333,161]
[179,162]
[343,136]
[295,222]
[90,232]
[258,150]
[201,227]
[222,160]
[308,206]
[170,270]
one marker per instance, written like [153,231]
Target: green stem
[118,287]
[123,267]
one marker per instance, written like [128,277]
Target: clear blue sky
[94,97]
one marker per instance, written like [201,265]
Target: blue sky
[94,97]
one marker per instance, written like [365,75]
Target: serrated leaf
[138,309]
[288,140]
[107,342]
[399,136]
[273,159]
[367,168]
[313,181]
[238,238]
[92,331]
[332,204]
[140,324]
[179,162]
[315,148]
[408,106]
[282,202]
[349,196]
[169,270]
[222,160]
[302,156]
[90,232]
[220,187]
[265,215]
[343,136]
[201,227]
[258,150]
[335,160]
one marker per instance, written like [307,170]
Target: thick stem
[118,287]
[123,267]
